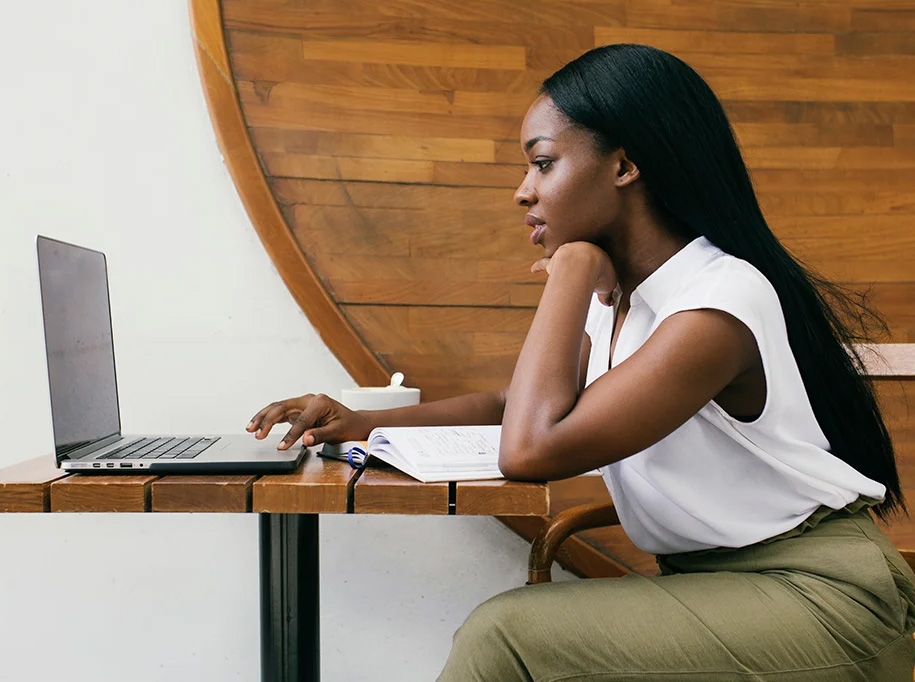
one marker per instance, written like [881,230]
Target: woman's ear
[626,171]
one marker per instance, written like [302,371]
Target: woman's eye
[540,164]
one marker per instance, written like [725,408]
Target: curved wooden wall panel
[387,132]
[241,158]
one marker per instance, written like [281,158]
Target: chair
[584,517]
[882,360]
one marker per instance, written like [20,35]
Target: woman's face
[571,187]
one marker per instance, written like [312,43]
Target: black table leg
[290,607]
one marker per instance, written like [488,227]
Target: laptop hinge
[80,451]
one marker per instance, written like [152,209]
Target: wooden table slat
[102,493]
[502,498]
[571,492]
[25,487]
[202,493]
[384,490]
[318,486]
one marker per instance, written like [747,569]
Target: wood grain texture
[202,494]
[501,498]
[387,134]
[384,490]
[318,486]
[91,493]
[574,554]
[897,396]
[25,487]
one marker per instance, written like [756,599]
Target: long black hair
[675,130]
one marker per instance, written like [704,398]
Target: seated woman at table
[679,348]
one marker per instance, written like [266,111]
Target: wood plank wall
[388,130]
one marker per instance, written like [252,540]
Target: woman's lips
[537,232]
[537,224]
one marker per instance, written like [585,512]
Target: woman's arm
[470,409]
[552,430]
[317,418]
[547,377]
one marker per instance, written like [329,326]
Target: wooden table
[289,506]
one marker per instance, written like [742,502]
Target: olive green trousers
[831,601]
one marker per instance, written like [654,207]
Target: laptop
[84,397]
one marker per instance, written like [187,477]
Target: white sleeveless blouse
[717,481]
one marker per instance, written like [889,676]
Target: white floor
[174,597]
[388,621]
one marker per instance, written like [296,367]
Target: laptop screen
[77,330]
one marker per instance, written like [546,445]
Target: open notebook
[429,453]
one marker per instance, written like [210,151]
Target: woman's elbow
[524,462]
[545,461]
[520,471]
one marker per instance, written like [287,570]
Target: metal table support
[290,604]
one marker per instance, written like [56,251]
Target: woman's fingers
[542,265]
[282,411]
[313,418]
[255,422]
[315,412]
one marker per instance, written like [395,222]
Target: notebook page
[445,452]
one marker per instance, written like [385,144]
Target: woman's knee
[496,619]
[490,643]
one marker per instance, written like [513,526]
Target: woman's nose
[525,195]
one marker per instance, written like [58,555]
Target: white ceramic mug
[380,397]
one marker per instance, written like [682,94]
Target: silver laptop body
[83,385]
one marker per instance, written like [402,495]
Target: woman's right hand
[315,418]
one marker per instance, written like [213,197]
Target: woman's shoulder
[728,283]
[732,276]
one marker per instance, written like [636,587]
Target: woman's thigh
[707,626]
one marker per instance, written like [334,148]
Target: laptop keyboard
[161,448]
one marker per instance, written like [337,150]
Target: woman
[678,347]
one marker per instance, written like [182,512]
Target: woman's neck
[640,248]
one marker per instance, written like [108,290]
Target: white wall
[105,141]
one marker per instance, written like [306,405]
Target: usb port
[110,465]
[97,465]
[126,465]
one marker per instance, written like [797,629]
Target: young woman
[682,350]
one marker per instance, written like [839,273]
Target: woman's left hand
[584,254]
